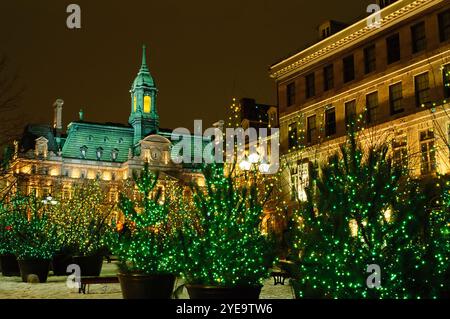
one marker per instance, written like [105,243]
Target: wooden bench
[279,277]
[86,281]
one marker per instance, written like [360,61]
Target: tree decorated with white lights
[82,219]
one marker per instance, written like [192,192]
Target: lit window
[114,154]
[422,85]
[135,103]
[99,153]
[83,151]
[428,156]
[400,151]
[147,104]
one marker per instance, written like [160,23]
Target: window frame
[397,48]
[291,92]
[415,40]
[311,133]
[332,124]
[328,77]
[372,117]
[347,68]
[346,108]
[444,29]
[426,142]
[419,91]
[393,100]
[292,141]
[310,85]
[370,63]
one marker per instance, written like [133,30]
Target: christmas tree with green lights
[363,210]
[148,242]
[225,246]
[32,232]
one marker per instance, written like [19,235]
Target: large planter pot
[91,266]
[36,267]
[215,292]
[60,263]
[141,286]
[9,266]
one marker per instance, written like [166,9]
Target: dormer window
[99,153]
[83,151]
[105,139]
[120,141]
[90,138]
[114,154]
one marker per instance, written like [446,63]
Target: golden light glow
[91,175]
[55,171]
[353,228]
[76,173]
[107,176]
[135,103]
[147,104]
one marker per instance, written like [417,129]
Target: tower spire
[144,57]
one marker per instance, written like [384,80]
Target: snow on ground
[55,288]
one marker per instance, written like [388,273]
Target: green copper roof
[144,78]
[93,137]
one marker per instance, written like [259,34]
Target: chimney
[330,27]
[57,120]
[385,3]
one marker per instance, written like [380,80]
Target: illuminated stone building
[48,160]
[390,73]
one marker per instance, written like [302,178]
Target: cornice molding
[355,33]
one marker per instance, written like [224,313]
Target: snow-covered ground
[56,288]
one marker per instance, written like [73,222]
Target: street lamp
[49,200]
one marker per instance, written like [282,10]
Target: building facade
[390,76]
[48,160]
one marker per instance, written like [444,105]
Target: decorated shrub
[5,231]
[148,242]
[83,220]
[225,246]
[32,232]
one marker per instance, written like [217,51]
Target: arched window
[99,153]
[147,104]
[135,103]
[114,154]
[83,151]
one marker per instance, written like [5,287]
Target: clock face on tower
[155,154]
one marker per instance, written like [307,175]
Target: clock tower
[144,116]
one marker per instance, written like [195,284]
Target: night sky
[201,53]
